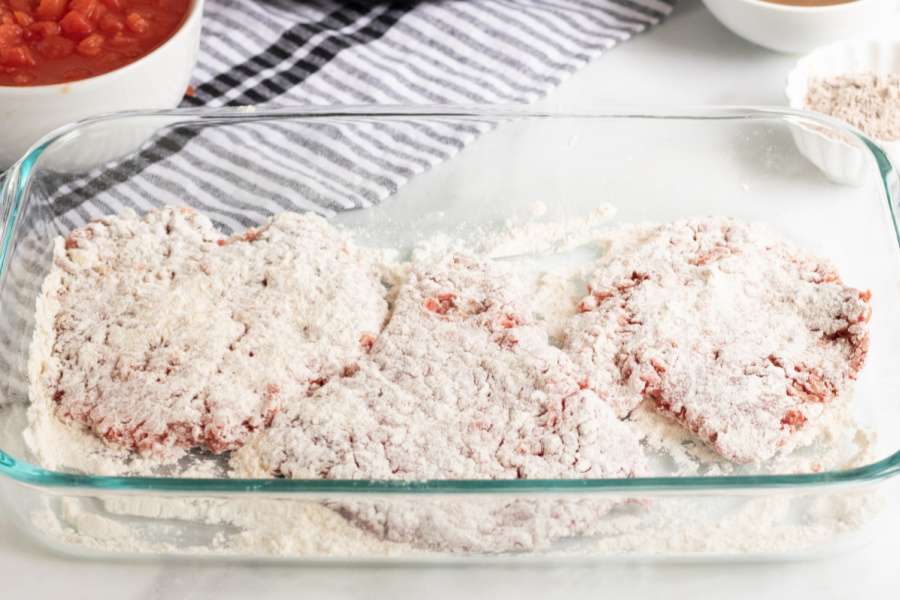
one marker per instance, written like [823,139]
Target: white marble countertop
[690,60]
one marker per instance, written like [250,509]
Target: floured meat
[724,327]
[459,385]
[168,337]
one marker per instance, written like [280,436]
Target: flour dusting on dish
[458,362]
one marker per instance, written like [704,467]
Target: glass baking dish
[651,165]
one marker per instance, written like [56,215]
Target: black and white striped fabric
[287,52]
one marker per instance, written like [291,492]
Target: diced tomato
[85,7]
[56,46]
[41,29]
[17,56]
[111,56]
[23,18]
[110,23]
[75,25]
[91,45]
[137,23]
[53,41]
[10,35]
[20,5]
[121,41]
[50,10]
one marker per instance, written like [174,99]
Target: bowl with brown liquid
[800,25]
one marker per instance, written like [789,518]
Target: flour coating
[168,337]
[724,327]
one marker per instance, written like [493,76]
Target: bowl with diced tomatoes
[64,60]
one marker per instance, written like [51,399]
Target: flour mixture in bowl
[869,101]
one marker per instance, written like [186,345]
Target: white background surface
[690,60]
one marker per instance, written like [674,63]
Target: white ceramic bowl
[841,161]
[788,28]
[155,81]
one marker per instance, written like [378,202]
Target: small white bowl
[155,81]
[840,160]
[787,28]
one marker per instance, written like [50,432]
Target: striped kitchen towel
[286,52]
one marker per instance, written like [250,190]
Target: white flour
[417,527]
[868,101]
[520,236]
[258,527]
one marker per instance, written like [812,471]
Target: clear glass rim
[13,200]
